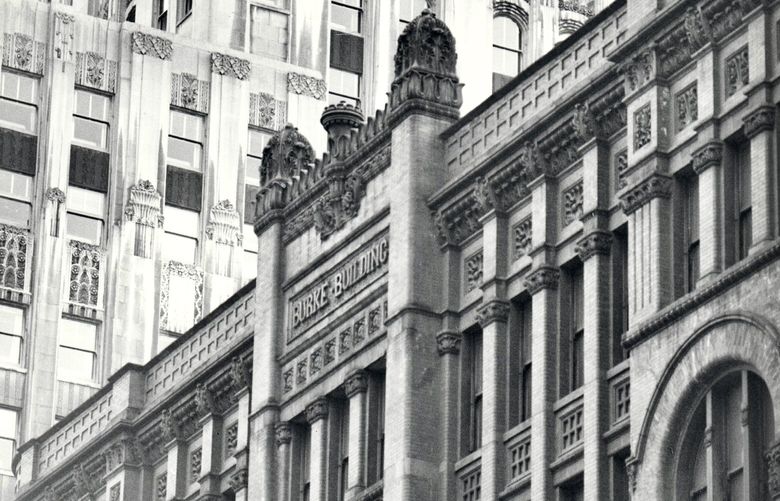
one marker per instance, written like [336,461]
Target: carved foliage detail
[306,85]
[522,234]
[84,273]
[448,343]
[14,248]
[231,66]
[473,271]
[63,35]
[143,207]
[145,44]
[92,70]
[621,168]
[266,111]
[772,458]
[642,126]
[737,71]
[426,43]
[572,204]
[23,53]
[189,92]
[687,105]
[656,186]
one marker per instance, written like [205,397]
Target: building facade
[569,293]
[131,135]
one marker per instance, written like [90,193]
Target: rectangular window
[183,9]
[161,14]
[520,359]
[19,102]
[576,328]
[304,460]
[346,16]
[250,253]
[255,144]
[343,449]
[8,426]
[343,86]
[408,10]
[11,334]
[743,200]
[473,385]
[269,31]
[376,446]
[77,354]
[574,491]
[185,141]
[15,198]
[85,215]
[180,241]
[90,120]
[691,231]
[619,292]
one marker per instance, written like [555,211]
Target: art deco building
[130,139]
[568,293]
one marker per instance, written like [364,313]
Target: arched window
[721,454]
[507,50]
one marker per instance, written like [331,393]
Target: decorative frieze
[189,92]
[473,271]
[267,112]
[301,370]
[759,120]
[687,104]
[448,342]
[306,85]
[621,169]
[696,29]
[84,273]
[596,242]
[283,433]
[331,212]
[572,203]
[124,452]
[772,458]
[21,52]
[14,254]
[190,273]
[64,25]
[493,311]
[708,155]
[642,126]
[146,44]
[96,72]
[230,66]
[522,238]
[737,71]
[317,410]
[357,382]
[315,362]
[544,277]
[169,428]
[485,196]
[224,225]
[655,186]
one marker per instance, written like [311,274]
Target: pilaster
[707,163]
[317,417]
[759,127]
[176,470]
[448,347]
[242,444]
[124,471]
[283,439]
[356,387]
[211,459]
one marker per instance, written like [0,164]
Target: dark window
[377,447]
[183,9]
[343,449]
[346,52]
[524,333]
[619,292]
[88,168]
[743,200]
[183,188]
[619,479]
[304,460]
[473,385]
[691,231]
[576,328]
[573,491]
[161,14]
[18,151]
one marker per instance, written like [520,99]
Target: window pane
[250,239]
[181,221]
[15,185]
[89,133]
[75,365]
[75,334]
[345,19]
[186,126]
[505,62]
[179,248]
[256,141]
[83,228]
[10,348]
[506,33]
[7,423]
[87,202]
[184,154]
[17,116]
[253,170]
[6,454]
[344,83]
[92,105]
[249,265]
[11,320]
[15,213]
[20,87]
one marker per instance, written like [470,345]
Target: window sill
[13,367]
[469,460]
[89,384]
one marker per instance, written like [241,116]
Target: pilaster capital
[283,431]
[595,242]
[146,44]
[708,155]
[543,277]
[495,310]
[772,458]
[448,342]
[239,479]
[759,120]
[655,186]
[357,382]
[317,410]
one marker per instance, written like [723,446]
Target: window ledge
[13,368]
[468,461]
[90,384]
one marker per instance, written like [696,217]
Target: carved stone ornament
[169,428]
[84,273]
[196,460]
[759,120]
[655,186]
[143,206]
[687,105]
[146,44]
[357,382]
[317,410]
[485,195]
[522,238]
[584,123]
[697,31]
[493,311]
[63,36]
[621,168]
[448,342]
[643,127]
[124,452]
[204,400]
[572,203]
[306,86]
[225,224]
[161,490]
[544,277]
[737,71]
[239,373]
[708,155]
[474,267]
[597,242]
[331,212]
[55,195]
[96,72]
[189,92]
[195,275]
[639,70]
[83,482]
[15,252]
[283,432]
[239,479]
[267,112]
[21,52]
[631,471]
[772,458]
[230,66]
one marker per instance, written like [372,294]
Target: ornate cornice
[707,156]
[596,242]
[543,277]
[759,120]
[655,186]
[239,373]
[495,310]
[145,44]
[231,66]
[448,342]
[283,433]
[357,382]
[317,410]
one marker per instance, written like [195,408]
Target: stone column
[356,386]
[593,250]
[176,470]
[707,162]
[211,445]
[647,206]
[283,439]
[239,479]
[760,130]
[317,417]
[542,285]
[124,471]
[448,346]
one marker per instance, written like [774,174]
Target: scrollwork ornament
[760,120]
[55,195]
[145,44]
[239,479]
[231,66]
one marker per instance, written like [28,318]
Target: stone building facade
[569,293]
[131,135]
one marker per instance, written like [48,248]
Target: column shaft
[317,416]
[759,127]
[357,443]
[710,210]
